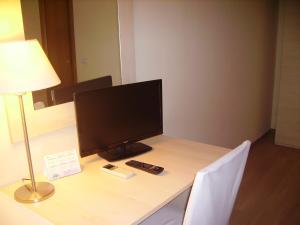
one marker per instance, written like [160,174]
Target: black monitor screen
[118,116]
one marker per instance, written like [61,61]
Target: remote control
[145,166]
[120,172]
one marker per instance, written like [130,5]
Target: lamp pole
[39,190]
[25,133]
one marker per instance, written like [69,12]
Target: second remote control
[145,166]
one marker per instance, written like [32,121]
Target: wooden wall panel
[288,117]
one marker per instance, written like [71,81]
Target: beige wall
[11,26]
[97,39]
[216,59]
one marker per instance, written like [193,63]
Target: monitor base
[124,151]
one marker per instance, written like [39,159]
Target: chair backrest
[215,188]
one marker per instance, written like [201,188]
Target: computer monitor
[111,120]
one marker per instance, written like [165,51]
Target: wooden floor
[270,190]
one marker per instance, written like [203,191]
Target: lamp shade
[25,67]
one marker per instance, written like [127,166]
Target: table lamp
[24,67]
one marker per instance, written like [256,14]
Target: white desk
[94,197]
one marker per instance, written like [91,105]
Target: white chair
[213,193]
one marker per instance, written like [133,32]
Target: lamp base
[25,194]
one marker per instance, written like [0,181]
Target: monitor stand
[124,151]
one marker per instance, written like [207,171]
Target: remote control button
[147,166]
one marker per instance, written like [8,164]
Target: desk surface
[94,197]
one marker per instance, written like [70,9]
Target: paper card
[61,164]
